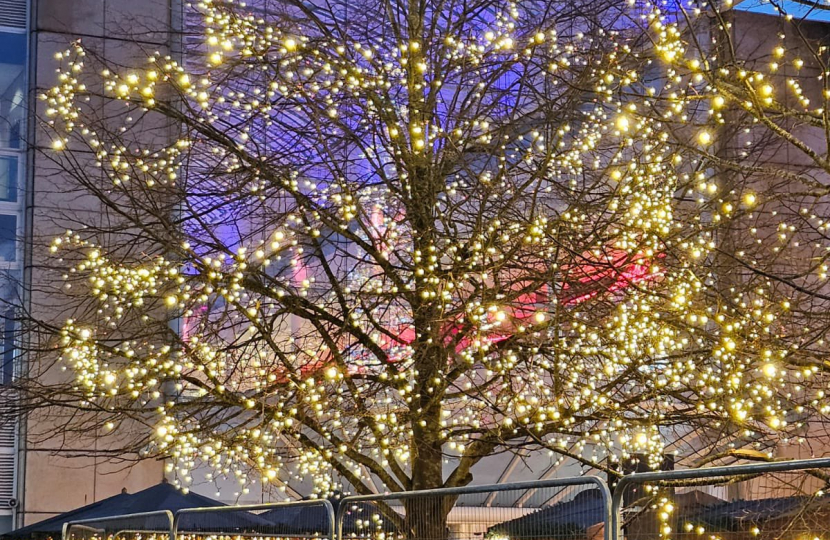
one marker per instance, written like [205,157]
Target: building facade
[14,78]
[42,472]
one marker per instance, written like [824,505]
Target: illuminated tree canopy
[388,239]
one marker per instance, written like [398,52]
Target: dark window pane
[12,87]
[8,178]
[8,347]
[8,237]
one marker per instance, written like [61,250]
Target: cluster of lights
[310,337]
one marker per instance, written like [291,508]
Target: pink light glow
[614,271]
[618,272]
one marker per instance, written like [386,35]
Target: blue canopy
[736,515]
[359,519]
[569,519]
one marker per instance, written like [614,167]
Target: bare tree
[388,236]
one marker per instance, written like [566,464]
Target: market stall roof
[573,518]
[562,520]
[736,515]
[359,519]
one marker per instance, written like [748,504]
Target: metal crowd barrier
[782,500]
[576,508]
[295,519]
[559,509]
[124,527]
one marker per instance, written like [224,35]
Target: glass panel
[12,88]
[6,524]
[9,297]
[8,346]
[8,237]
[8,178]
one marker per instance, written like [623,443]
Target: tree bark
[426,517]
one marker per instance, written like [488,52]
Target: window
[8,348]
[13,43]
[13,117]
[12,87]
[8,178]
[8,238]
[13,92]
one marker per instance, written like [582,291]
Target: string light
[575,306]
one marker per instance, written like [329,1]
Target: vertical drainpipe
[26,278]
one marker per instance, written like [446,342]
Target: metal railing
[123,527]
[556,509]
[782,500]
[295,519]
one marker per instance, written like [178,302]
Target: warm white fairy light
[593,374]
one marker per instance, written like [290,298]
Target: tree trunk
[426,518]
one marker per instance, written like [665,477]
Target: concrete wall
[60,471]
